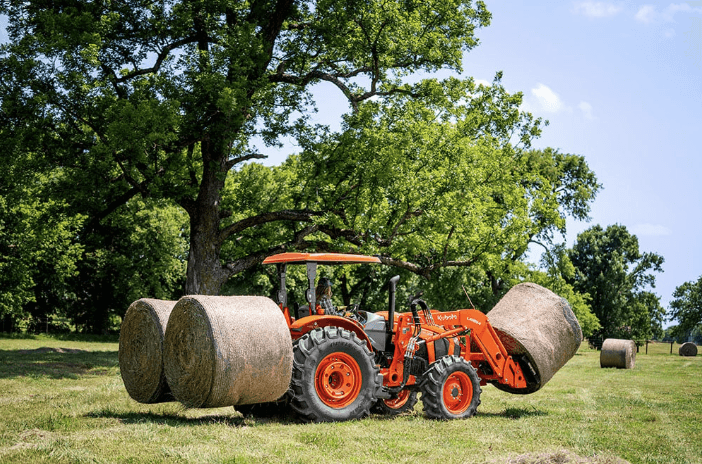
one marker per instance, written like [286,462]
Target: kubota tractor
[345,364]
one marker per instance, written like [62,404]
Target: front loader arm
[505,370]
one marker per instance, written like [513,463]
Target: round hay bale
[539,327]
[227,350]
[687,349]
[141,350]
[618,353]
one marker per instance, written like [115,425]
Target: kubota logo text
[446,317]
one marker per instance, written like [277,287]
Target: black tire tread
[305,403]
[432,386]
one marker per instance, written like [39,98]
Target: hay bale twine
[539,327]
[227,350]
[687,349]
[618,353]
[141,350]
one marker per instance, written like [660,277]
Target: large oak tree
[165,98]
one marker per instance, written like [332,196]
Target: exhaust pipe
[390,323]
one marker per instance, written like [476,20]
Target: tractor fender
[307,324]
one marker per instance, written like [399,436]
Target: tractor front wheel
[450,389]
[334,376]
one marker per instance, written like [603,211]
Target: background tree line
[128,131]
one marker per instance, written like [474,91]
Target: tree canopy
[618,277]
[686,306]
[141,121]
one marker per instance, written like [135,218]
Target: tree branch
[284,215]
[242,264]
[240,159]
[157,66]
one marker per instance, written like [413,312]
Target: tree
[36,240]
[165,98]
[687,305]
[617,276]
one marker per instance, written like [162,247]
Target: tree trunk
[205,274]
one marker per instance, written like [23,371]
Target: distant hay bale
[535,323]
[687,349]
[618,353]
[227,350]
[141,350]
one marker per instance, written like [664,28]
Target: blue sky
[621,84]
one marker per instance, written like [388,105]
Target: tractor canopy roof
[326,258]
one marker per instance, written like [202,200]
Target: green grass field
[62,400]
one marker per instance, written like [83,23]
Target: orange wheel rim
[458,392]
[338,380]
[401,400]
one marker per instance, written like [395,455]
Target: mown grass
[64,401]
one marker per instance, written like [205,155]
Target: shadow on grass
[515,413]
[176,420]
[56,363]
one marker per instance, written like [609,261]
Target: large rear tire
[334,376]
[451,389]
[405,401]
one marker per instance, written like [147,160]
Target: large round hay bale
[141,350]
[227,350]
[539,327]
[687,349]
[618,353]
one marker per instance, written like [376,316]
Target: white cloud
[596,9]
[548,100]
[586,108]
[646,14]
[482,82]
[651,230]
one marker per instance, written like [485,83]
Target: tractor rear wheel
[451,389]
[334,376]
[404,402]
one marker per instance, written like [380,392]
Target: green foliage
[139,252]
[36,239]
[686,306]
[617,276]
[134,107]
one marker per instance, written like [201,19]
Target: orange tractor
[349,361]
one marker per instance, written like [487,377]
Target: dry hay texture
[618,353]
[533,321]
[141,350]
[687,349]
[227,350]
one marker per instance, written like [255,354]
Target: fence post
[671,347]
[646,346]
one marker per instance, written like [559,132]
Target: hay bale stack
[687,349]
[539,327]
[227,350]
[141,350]
[618,353]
